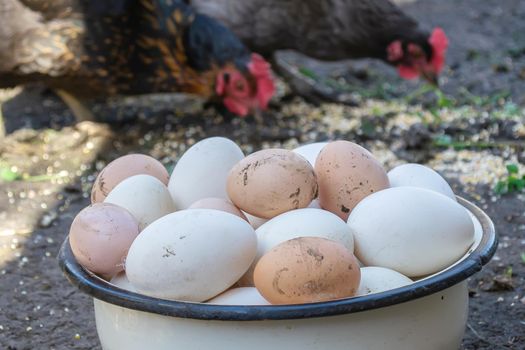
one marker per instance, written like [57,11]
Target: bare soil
[469,139]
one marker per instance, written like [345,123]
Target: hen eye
[226,77]
[239,86]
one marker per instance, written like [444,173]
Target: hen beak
[431,78]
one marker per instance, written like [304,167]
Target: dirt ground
[469,135]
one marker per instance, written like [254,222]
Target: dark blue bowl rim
[100,289]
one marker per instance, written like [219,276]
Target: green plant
[514,182]
[448,141]
[508,271]
[7,174]
[307,72]
[523,258]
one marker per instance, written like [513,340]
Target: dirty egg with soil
[307,270]
[347,173]
[306,222]
[270,182]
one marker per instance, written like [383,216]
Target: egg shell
[240,296]
[122,168]
[202,170]
[315,204]
[254,220]
[218,204]
[307,269]
[375,279]
[411,230]
[191,255]
[310,151]
[121,280]
[306,222]
[270,182]
[144,196]
[418,175]
[347,173]
[100,236]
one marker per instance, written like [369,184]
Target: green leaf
[307,72]
[512,168]
[442,100]
[501,187]
[508,271]
[443,140]
[7,175]
[523,258]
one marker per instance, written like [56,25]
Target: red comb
[260,69]
[439,42]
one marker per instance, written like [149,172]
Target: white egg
[202,170]
[418,175]
[144,196]
[255,221]
[411,230]
[315,204]
[310,151]
[305,222]
[240,296]
[375,279]
[191,255]
[121,280]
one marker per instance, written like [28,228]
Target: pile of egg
[322,222]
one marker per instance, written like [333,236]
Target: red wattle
[407,72]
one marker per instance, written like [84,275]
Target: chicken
[334,30]
[102,48]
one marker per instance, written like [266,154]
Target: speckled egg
[305,270]
[122,168]
[347,173]
[270,182]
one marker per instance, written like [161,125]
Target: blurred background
[471,130]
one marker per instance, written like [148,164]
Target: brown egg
[347,173]
[100,237]
[124,167]
[305,270]
[218,204]
[270,182]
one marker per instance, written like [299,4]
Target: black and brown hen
[103,48]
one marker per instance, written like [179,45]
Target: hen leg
[77,107]
[2,125]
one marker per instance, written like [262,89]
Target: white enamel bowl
[429,314]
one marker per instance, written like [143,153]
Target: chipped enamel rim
[100,289]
